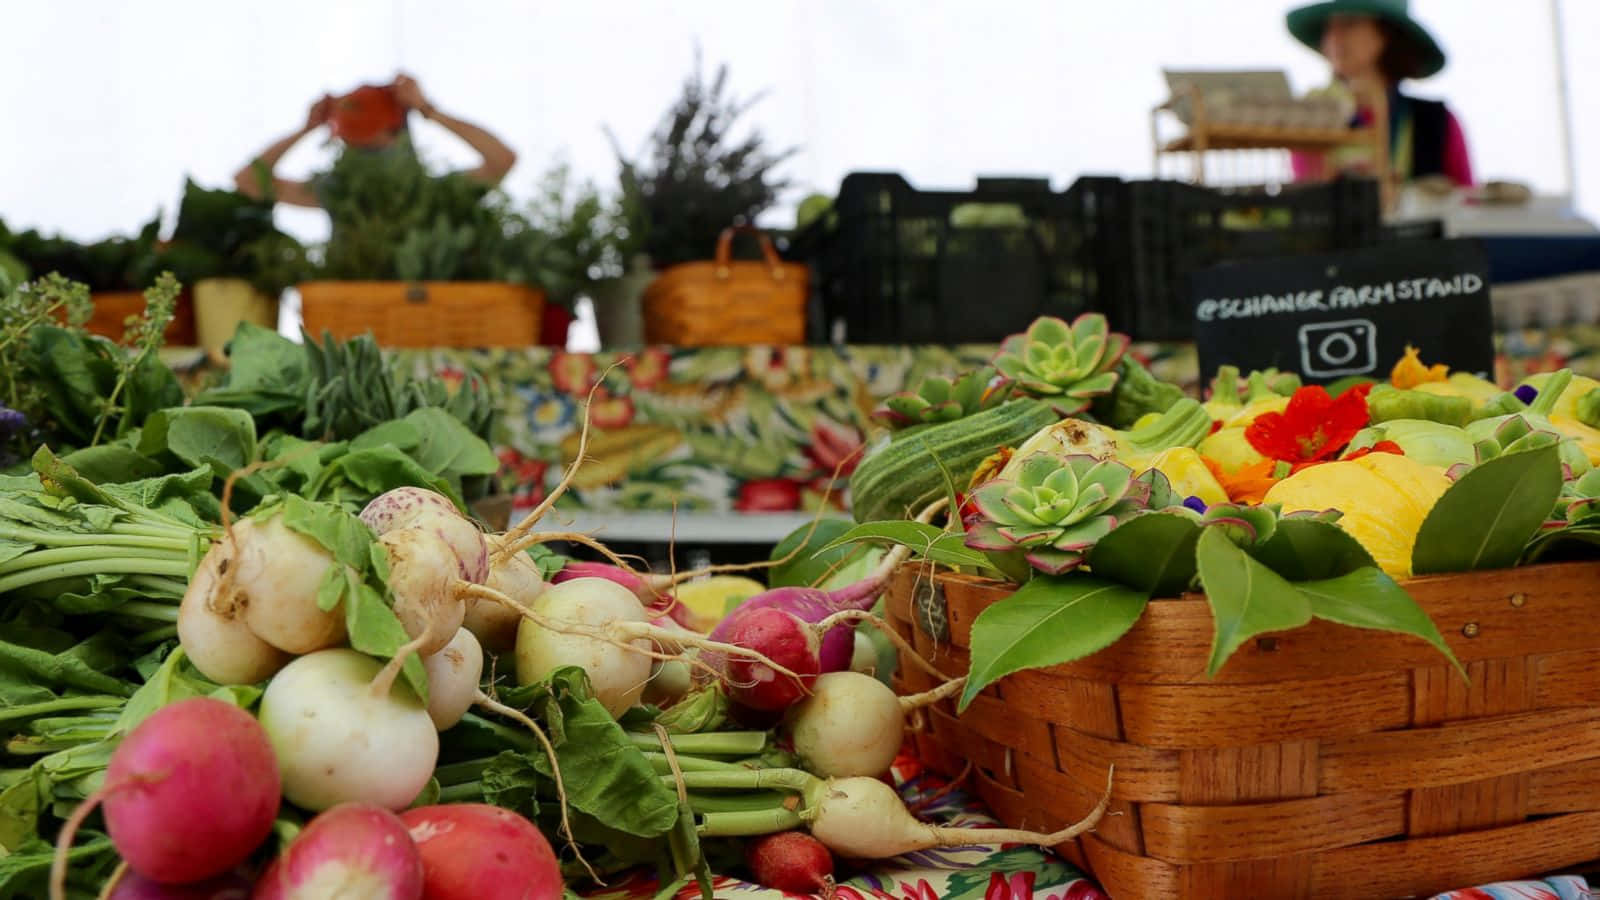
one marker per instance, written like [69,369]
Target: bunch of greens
[695,178]
[225,234]
[122,263]
[573,237]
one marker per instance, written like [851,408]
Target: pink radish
[130,886]
[790,861]
[812,605]
[414,507]
[354,850]
[783,639]
[189,794]
[478,852]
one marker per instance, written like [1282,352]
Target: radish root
[493,705]
[384,680]
[904,646]
[968,837]
[576,537]
[514,536]
[110,886]
[930,697]
[950,786]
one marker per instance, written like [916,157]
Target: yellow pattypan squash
[1587,438]
[1188,474]
[1462,384]
[1567,404]
[1229,449]
[1250,411]
[1384,498]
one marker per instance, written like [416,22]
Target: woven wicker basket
[1323,763]
[426,314]
[112,309]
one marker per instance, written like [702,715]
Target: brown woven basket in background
[112,309]
[424,314]
[727,302]
[1326,762]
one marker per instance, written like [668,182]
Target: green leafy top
[1054,510]
[1067,365]
[937,399]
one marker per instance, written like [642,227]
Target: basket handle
[768,251]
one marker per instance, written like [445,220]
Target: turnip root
[812,605]
[189,794]
[338,740]
[617,675]
[213,632]
[354,850]
[274,573]
[453,675]
[516,576]
[783,639]
[422,581]
[132,886]
[854,724]
[790,861]
[414,507]
[479,852]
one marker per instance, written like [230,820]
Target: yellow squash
[1384,498]
[1587,438]
[1567,404]
[1188,474]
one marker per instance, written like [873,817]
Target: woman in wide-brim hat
[1372,46]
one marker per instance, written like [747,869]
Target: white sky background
[108,105]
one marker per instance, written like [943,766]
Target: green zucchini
[900,477]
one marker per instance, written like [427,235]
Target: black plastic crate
[1176,229]
[1414,230]
[894,264]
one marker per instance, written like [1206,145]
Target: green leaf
[380,469]
[511,782]
[927,541]
[339,532]
[548,561]
[1485,519]
[376,631]
[61,669]
[168,685]
[1570,543]
[1049,620]
[25,873]
[604,774]
[1153,553]
[220,438]
[810,564]
[1368,598]
[1309,550]
[1247,598]
[112,463]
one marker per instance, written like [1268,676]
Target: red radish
[790,861]
[189,794]
[355,850]
[414,507]
[473,851]
[130,886]
[812,605]
[785,640]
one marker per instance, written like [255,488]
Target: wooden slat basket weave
[424,314]
[1327,762]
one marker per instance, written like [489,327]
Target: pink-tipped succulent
[1055,509]
[1065,365]
[937,399]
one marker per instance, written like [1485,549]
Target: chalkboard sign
[1336,315]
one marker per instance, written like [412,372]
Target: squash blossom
[1410,372]
[1384,498]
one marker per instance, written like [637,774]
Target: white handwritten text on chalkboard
[1342,297]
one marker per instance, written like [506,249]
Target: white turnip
[515,575]
[422,581]
[189,794]
[473,851]
[354,851]
[852,724]
[415,507]
[338,740]
[213,632]
[616,673]
[453,675]
[274,573]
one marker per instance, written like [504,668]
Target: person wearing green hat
[1372,46]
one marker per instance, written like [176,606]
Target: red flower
[610,412]
[834,447]
[648,367]
[572,373]
[768,495]
[922,890]
[1314,425]
[1017,887]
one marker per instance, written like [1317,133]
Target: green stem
[155,636]
[466,792]
[160,612]
[743,824]
[725,803]
[690,764]
[727,743]
[34,559]
[162,527]
[120,565]
[172,587]
[519,739]
[671,888]
[98,539]
[64,704]
[751,780]
[461,772]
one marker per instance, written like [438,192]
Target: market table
[702,439]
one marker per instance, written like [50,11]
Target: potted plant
[694,178]
[422,260]
[236,259]
[572,241]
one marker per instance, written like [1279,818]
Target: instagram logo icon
[1333,349]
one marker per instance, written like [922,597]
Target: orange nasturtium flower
[1250,483]
[1410,372]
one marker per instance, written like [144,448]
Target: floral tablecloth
[997,872]
[761,429]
